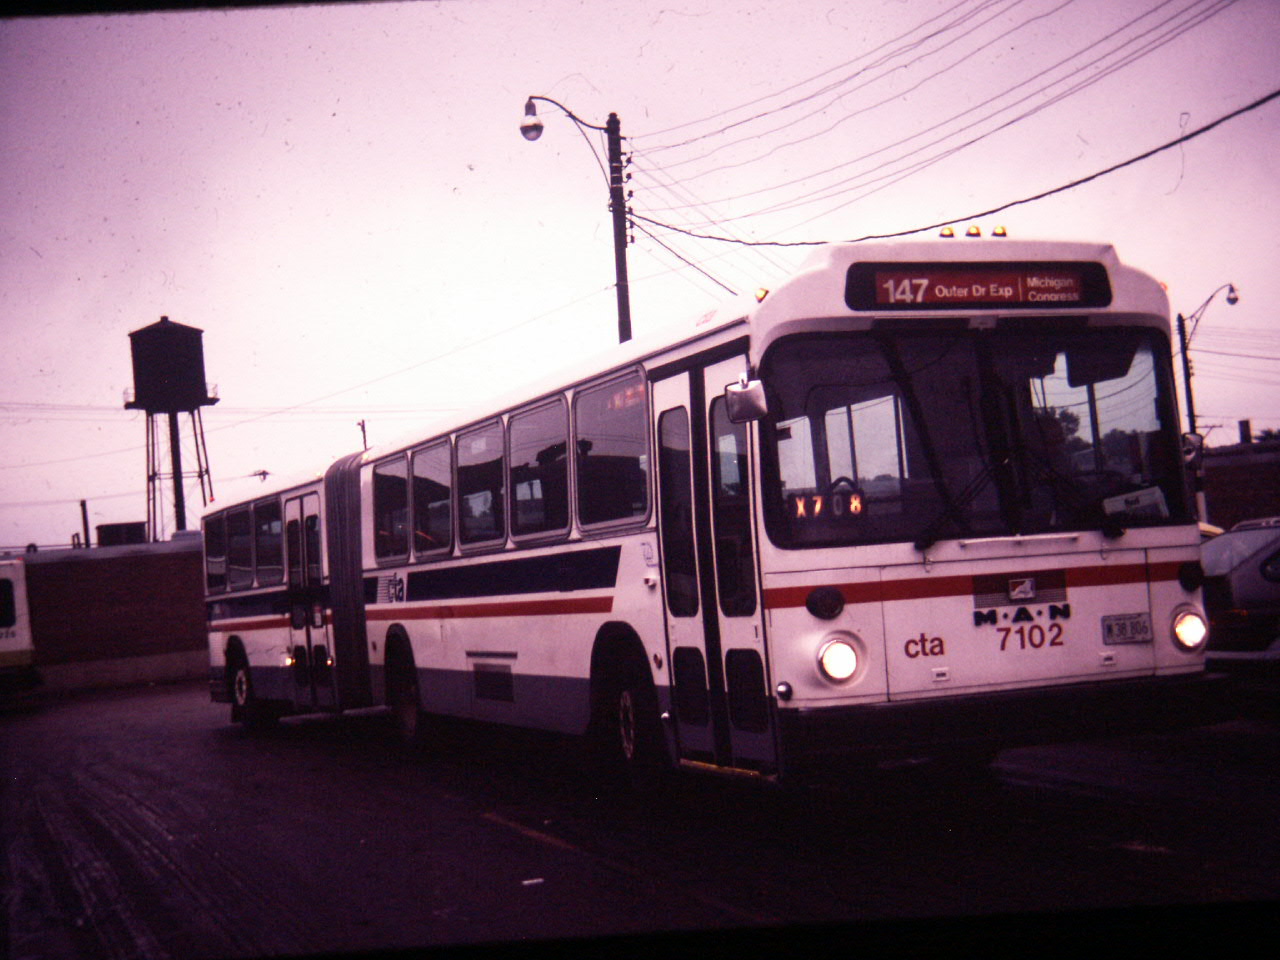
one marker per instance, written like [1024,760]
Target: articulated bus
[923,499]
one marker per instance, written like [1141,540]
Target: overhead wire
[801,83]
[753,138]
[898,176]
[868,177]
[1185,138]
[645,230]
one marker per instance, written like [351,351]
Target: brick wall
[1242,481]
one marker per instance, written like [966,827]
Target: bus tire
[246,709]
[403,696]
[628,740]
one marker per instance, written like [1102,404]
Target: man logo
[1024,589]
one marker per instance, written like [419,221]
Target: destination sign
[955,286]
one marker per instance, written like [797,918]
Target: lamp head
[530,126]
[1233,296]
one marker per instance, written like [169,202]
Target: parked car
[1242,585]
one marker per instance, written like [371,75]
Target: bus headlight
[1190,631]
[838,659]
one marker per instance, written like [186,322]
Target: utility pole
[1186,374]
[618,207]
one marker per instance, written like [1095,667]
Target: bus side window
[8,605]
[391,509]
[611,444]
[481,478]
[215,553]
[268,548]
[735,563]
[239,549]
[432,499]
[293,539]
[312,533]
[539,470]
[678,556]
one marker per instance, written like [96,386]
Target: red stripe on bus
[510,608]
[925,588]
[265,623]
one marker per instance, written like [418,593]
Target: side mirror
[1192,449]
[745,401]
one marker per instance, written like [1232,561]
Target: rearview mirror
[745,401]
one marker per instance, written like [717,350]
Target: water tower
[168,377]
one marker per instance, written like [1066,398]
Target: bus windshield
[878,437]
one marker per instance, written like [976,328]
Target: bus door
[310,647]
[715,629]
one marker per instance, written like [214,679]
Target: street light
[1184,339]
[531,128]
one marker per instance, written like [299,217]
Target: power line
[681,192]
[1243,356]
[795,86]
[867,177]
[984,213]
[817,196]
[841,96]
[647,232]
[71,500]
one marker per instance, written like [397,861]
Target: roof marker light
[761,293]
[947,232]
[973,231]
[999,232]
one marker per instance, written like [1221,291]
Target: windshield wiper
[954,509]
[1065,487]
[911,399]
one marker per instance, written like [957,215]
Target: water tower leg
[175,451]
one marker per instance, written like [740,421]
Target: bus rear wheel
[404,701]
[245,707]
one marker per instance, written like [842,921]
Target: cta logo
[925,646]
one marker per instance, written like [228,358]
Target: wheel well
[618,656]
[397,655]
[234,654]
[396,645]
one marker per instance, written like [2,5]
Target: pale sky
[340,198]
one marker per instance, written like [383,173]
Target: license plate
[1126,628]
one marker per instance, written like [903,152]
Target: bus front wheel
[629,741]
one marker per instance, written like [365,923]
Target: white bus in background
[921,499]
[17,666]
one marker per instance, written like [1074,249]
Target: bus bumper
[821,740]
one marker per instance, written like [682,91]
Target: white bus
[921,499]
[17,653]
